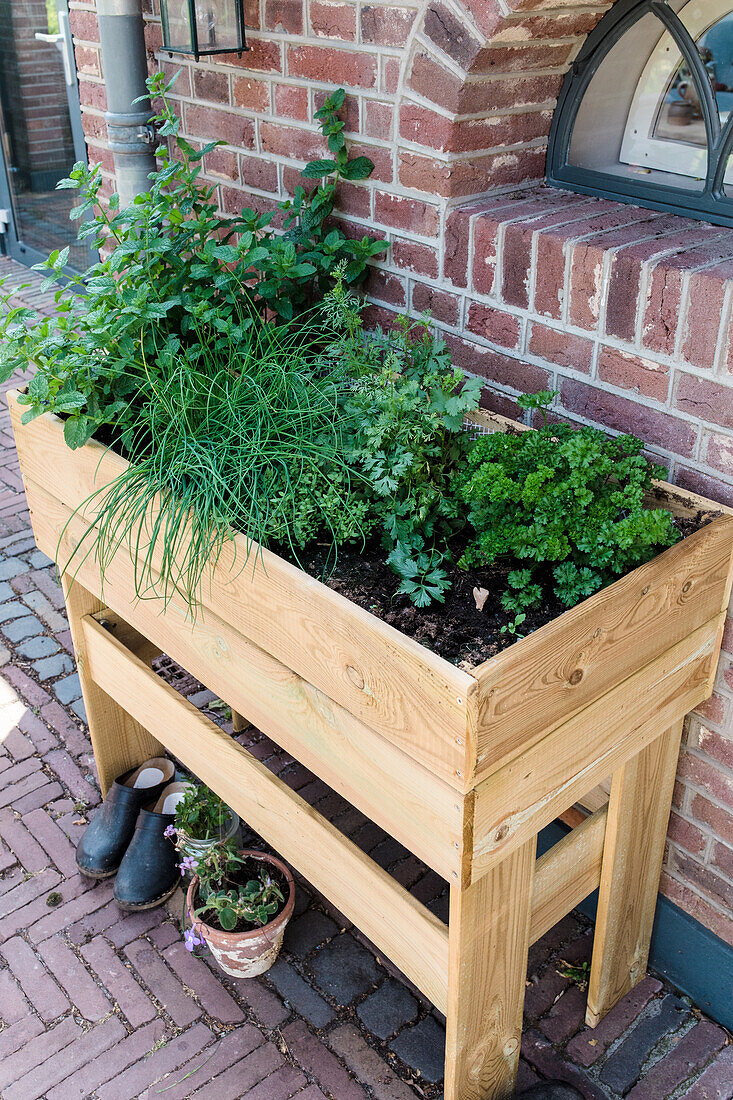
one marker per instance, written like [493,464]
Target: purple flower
[191,939]
[188,863]
[170,831]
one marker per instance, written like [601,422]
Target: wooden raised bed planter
[463,768]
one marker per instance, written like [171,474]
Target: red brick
[81,988]
[87,60]
[722,859]
[93,95]
[686,835]
[378,118]
[392,69]
[705,298]
[705,485]
[209,124]
[212,85]
[257,172]
[662,309]
[128,995]
[355,70]
[715,1081]
[691,1053]
[435,177]
[222,163]
[291,101]
[284,15]
[292,142]
[719,452]
[84,25]
[406,214]
[415,257]
[507,371]
[592,1043]
[521,58]
[701,878]
[443,307]
[708,400]
[559,347]
[86,1080]
[161,1062]
[263,55]
[386,287]
[333,19]
[163,984]
[251,94]
[35,981]
[450,34]
[386,26]
[623,415]
[703,910]
[630,372]
[318,1060]
[495,325]
[351,198]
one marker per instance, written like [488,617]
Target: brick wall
[625,311]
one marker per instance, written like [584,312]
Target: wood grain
[406,799]
[408,933]
[638,815]
[489,939]
[566,874]
[387,680]
[526,794]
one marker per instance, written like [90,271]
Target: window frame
[710,204]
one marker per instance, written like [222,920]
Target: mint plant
[201,814]
[223,894]
[567,503]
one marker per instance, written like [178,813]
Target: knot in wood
[575,676]
[501,832]
[687,586]
[355,676]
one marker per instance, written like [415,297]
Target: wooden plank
[408,933]
[416,807]
[530,791]
[489,940]
[638,814]
[389,681]
[119,742]
[567,874]
[547,677]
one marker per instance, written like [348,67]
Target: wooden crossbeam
[409,934]
[567,873]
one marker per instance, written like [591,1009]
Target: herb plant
[224,897]
[201,814]
[567,503]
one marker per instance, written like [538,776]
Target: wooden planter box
[463,768]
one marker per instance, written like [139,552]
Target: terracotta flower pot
[246,954]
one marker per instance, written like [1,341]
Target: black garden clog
[104,841]
[149,872]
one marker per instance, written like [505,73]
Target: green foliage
[567,503]
[406,409]
[201,814]
[247,436]
[171,265]
[229,900]
[512,627]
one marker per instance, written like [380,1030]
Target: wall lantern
[199,27]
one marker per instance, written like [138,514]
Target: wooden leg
[489,941]
[638,814]
[239,723]
[119,742]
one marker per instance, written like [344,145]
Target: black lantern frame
[710,204]
[197,51]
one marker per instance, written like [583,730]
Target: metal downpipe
[125,68]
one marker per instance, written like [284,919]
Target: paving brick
[543,1057]
[367,1065]
[12,568]
[317,1060]
[51,667]
[588,1047]
[17,1035]
[301,996]
[56,1068]
[18,629]
[565,1016]
[309,931]
[231,1084]
[280,1085]
[13,1005]
[93,897]
[391,1007]
[68,689]
[53,840]
[694,1050]
[423,1048]
[624,1065]
[35,648]
[37,1050]
[136,1080]
[30,854]
[83,1083]
[37,984]
[26,916]
[73,977]
[164,986]
[72,776]
[196,975]
[123,931]
[267,1007]
[344,969]
[209,1063]
[716,1083]
[126,992]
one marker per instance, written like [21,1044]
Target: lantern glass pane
[176,26]
[216,25]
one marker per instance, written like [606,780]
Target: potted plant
[239,903]
[202,821]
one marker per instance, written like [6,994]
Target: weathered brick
[406,214]
[421,1046]
[333,19]
[386,26]
[630,372]
[624,415]
[440,305]
[369,1068]
[318,1060]
[80,987]
[355,70]
[495,325]
[162,983]
[35,981]
[250,94]
[87,1079]
[561,348]
[127,993]
[706,399]
[419,258]
[164,1060]
[284,15]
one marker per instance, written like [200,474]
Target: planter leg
[119,742]
[638,814]
[239,722]
[487,970]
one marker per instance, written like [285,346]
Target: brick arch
[479,85]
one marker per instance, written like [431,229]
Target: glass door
[40,130]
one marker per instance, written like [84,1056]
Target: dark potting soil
[456,630]
[249,870]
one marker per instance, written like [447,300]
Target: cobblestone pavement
[98,1004]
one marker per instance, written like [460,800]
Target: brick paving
[98,1004]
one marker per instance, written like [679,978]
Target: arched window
[646,112]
